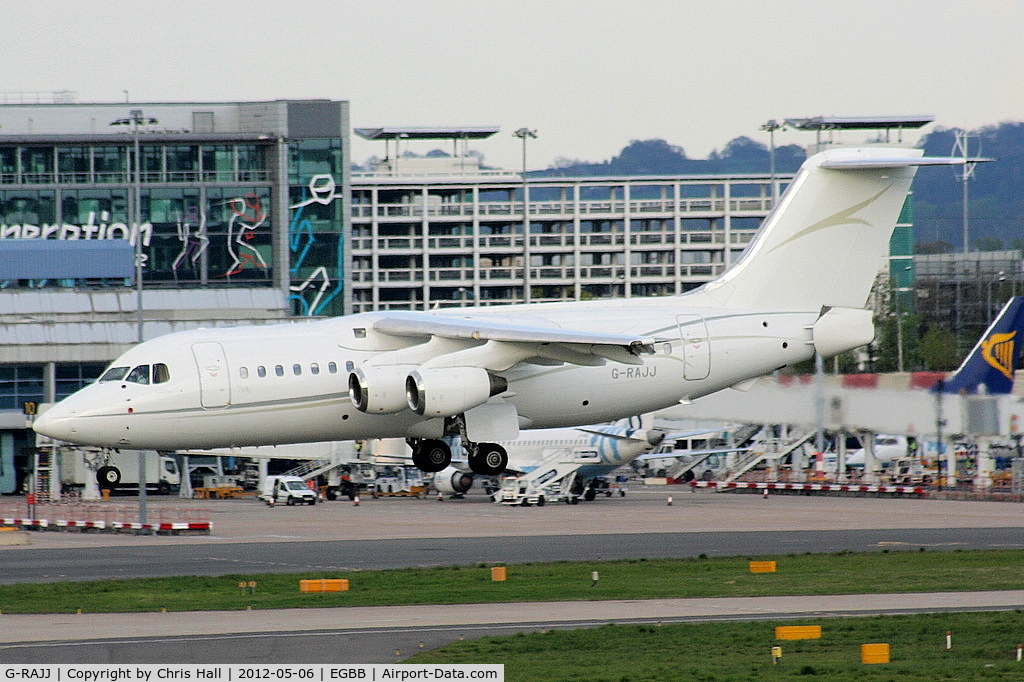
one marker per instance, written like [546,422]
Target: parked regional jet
[597,450]
[483,373]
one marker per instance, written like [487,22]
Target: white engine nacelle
[450,391]
[379,390]
[451,481]
[842,329]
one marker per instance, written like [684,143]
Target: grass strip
[806,574]
[983,647]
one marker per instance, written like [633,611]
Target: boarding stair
[312,469]
[43,480]
[739,440]
[684,466]
[768,450]
[551,481]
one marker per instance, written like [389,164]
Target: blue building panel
[66,259]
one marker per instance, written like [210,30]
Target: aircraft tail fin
[826,240]
[992,361]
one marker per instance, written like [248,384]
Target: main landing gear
[487,459]
[433,455]
[430,454]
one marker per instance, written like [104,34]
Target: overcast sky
[588,76]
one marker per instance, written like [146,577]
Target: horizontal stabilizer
[898,162]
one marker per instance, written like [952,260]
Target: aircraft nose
[54,423]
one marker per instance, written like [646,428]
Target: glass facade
[207,210]
[206,219]
[316,227]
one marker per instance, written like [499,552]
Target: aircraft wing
[506,344]
[596,430]
[685,453]
[610,432]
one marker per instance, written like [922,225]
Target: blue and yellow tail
[992,361]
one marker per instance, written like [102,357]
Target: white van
[287,490]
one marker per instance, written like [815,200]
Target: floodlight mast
[524,134]
[770,127]
[135,119]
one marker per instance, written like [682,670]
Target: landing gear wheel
[490,459]
[432,455]
[589,495]
[108,477]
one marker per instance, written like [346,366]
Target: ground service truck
[117,470]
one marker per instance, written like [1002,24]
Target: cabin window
[243,372]
[139,375]
[332,367]
[314,368]
[261,371]
[114,374]
[297,369]
[349,366]
[161,373]
[279,370]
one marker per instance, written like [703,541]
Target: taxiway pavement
[407,532]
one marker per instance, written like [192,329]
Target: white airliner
[483,373]
[597,450]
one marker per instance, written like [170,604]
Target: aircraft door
[693,332]
[214,382]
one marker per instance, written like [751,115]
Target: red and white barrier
[108,518]
[814,487]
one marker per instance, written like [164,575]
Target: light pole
[960,144]
[1000,277]
[135,119]
[899,341]
[525,134]
[897,304]
[771,126]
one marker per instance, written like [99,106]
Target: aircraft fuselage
[288,383]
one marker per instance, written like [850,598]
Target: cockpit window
[139,375]
[161,374]
[114,374]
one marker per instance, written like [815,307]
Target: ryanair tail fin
[992,361]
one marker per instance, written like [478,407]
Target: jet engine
[451,390]
[842,329]
[451,481]
[379,390]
